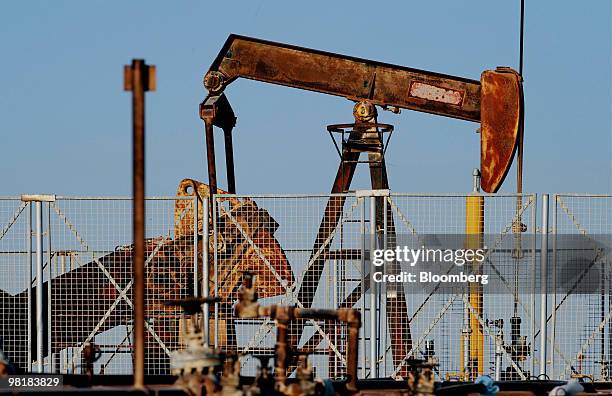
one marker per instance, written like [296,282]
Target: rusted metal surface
[256,223]
[353,78]
[139,78]
[501,112]
[216,111]
[382,84]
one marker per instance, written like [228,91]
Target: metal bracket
[372,193]
[37,197]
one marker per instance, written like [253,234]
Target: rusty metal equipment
[139,78]
[247,307]
[196,364]
[243,222]
[495,102]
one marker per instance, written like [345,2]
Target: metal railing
[78,261]
[311,251]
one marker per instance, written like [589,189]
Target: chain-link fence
[15,256]
[78,259]
[311,251]
[580,335]
[305,251]
[471,329]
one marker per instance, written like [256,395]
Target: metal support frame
[361,203]
[39,287]
[474,229]
[196,285]
[543,286]
[373,297]
[29,268]
[51,362]
[554,284]
[205,274]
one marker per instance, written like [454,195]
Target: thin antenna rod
[522,33]
[519,153]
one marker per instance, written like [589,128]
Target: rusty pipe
[138,222]
[210,157]
[247,307]
[229,160]
[352,318]
[138,78]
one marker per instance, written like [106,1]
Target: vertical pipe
[609,359]
[543,284]
[229,160]
[210,157]
[553,322]
[388,293]
[333,266]
[39,288]
[138,222]
[534,250]
[205,275]
[216,269]
[363,284]
[51,362]
[474,229]
[373,297]
[29,267]
[602,315]
[196,283]
[498,357]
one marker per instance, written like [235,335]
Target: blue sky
[65,120]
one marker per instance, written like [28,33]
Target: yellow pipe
[462,353]
[474,229]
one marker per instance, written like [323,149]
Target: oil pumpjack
[496,102]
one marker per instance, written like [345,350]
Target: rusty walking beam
[138,78]
[495,101]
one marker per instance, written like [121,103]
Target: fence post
[38,200]
[51,363]
[553,319]
[373,297]
[39,287]
[29,366]
[534,263]
[543,284]
[205,276]
[361,203]
[213,213]
[196,285]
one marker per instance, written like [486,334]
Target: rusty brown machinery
[248,307]
[496,102]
